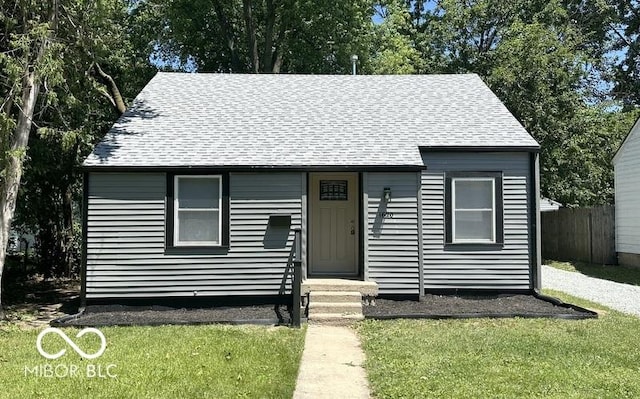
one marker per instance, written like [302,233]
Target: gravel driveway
[622,297]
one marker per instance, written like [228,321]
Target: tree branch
[620,35]
[113,87]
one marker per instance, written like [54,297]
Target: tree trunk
[267,52]
[13,171]
[229,35]
[113,87]
[67,230]
[251,35]
[19,140]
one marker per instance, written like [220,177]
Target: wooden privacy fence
[579,234]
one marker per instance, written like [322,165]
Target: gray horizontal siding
[627,189]
[392,256]
[125,239]
[479,268]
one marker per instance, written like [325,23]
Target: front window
[474,209]
[197,210]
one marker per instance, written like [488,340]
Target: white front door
[333,227]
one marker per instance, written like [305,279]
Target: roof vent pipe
[354,61]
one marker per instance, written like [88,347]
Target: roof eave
[250,168]
[636,125]
[488,148]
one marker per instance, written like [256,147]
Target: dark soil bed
[467,306]
[118,315]
[432,306]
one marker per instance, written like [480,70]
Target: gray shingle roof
[304,120]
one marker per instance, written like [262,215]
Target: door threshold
[335,276]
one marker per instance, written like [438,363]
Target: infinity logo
[103,344]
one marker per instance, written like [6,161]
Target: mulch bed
[119,315]
[469,306]
[431,307]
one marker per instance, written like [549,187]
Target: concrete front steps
[337,301]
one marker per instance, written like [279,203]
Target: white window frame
[456,240]
[176,209]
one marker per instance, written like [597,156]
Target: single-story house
[423,183]
[626,165]
[549,205]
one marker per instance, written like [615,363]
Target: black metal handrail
[296,288]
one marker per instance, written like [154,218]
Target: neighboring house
[548,205]
[20,241]
[418,183]
[626,164]
[13,243]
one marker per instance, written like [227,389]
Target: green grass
[620,274]
[158,362]
[504,358]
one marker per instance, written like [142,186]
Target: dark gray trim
[558,302]
[168,212]
[238,322]
[479,148]
[170,248]
[499,216]
[420,238]
[364,215]
[477,291]
[360,214]
[204,169]
[85,223]
[304,223]
[534,217]
[307,233]
[62,321]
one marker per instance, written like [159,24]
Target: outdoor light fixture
[387,194]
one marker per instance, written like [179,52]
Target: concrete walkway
[619,296]
[331,365]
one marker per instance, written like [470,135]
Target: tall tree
[259,36]
[107,68]
[28,61]
[627,45]
[394,48]
[84,59]
[544,59]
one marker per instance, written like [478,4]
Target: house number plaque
[333,190]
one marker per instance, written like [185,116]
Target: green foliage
[544,59]
[627,43]
[299,36]
[579,166]
[394,49]
[74,110]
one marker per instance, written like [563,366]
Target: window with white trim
[474,208]
[197,210]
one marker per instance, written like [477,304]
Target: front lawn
[504,358]
[154,362]
[617,273]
